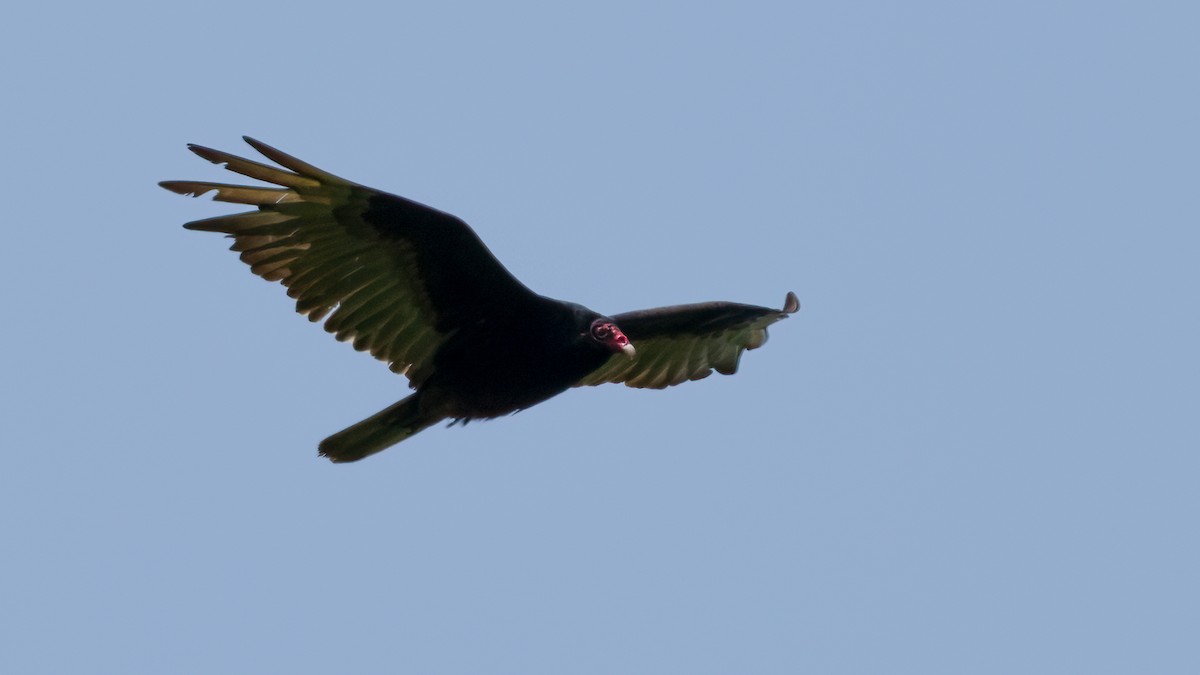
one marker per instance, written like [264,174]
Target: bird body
[417,288]
[529,358]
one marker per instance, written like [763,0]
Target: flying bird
[417,288]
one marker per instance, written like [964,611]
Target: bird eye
[601,331]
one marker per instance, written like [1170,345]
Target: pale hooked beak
[611,336]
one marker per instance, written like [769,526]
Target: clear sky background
[974,450]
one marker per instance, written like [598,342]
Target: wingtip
[262,148]
[181,187]
[214,156]
[333,458]
[791,303]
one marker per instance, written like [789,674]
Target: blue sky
[973,450]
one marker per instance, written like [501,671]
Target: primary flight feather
[417,288]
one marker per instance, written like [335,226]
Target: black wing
[393,276]
[687,342]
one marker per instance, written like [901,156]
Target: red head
[606,333]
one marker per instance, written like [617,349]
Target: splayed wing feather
[254,169]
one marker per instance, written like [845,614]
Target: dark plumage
[418,289]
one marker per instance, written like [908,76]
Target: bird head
[606,333]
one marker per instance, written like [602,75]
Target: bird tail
[378,432]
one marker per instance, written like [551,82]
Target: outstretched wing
[687,342]
[394,277]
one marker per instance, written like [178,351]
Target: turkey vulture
[418,289]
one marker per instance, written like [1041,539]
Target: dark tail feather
[378,432]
